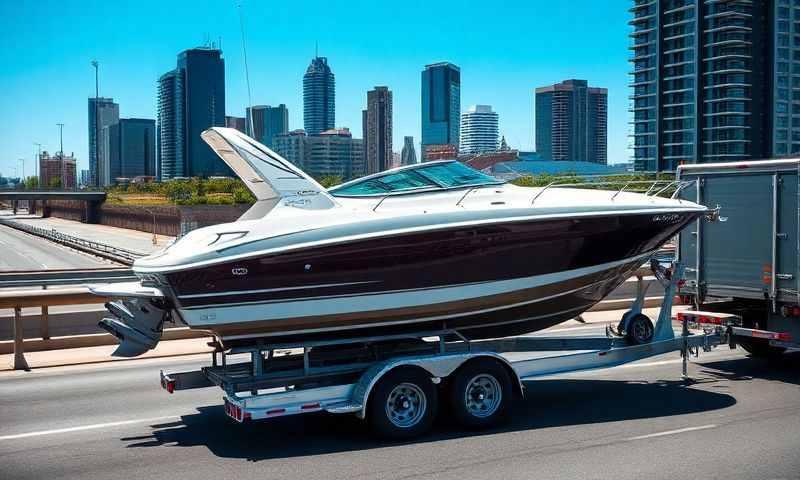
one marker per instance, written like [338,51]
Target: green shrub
[243,195]
[219,199]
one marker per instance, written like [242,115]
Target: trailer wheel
[480,394]
[640,330]
[403,404]
[759,347]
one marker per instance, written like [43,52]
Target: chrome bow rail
[655,188]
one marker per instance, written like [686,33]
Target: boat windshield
[434,176]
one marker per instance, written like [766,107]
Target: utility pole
[61,151]
[96,181]
[23,166]
[36,163]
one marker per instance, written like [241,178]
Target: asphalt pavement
[22,251]
[738,418]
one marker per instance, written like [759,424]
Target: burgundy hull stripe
[554,308]
[425,260]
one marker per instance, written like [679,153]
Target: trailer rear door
[735,254]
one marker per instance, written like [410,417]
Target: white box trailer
[746,263]
[396,382]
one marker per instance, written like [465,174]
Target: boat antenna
[246,72]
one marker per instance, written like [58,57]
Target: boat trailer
[395,381]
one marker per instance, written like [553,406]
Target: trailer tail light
[235,411]
[708,318]
[310,406]
[275,412]
[790,311]
[781,336]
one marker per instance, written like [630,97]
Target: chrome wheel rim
[406,405]
[483,395]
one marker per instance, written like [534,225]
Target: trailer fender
[435,366]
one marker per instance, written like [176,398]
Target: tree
[31,183]
[55,182]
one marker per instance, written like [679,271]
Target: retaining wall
[172,220]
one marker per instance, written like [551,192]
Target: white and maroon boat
[435,245]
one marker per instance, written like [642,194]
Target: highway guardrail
[110,252]
[48,278]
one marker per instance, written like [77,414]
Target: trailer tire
[480,394]
[639,330]
[760,348]
[403,404]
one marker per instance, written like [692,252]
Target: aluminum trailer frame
[254,392]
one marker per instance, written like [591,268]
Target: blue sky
[504,48]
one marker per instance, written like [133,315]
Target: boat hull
[483,280]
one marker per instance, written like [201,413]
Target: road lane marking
[671,432]
[87,427]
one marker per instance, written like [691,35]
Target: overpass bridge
[39,199]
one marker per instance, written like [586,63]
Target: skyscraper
[266,122]
[319,97]
[408,156]
[713,81]
[131,148]
[191,99]
[441,105]
[101,115]
[479,130]
[378,130]
[571,122]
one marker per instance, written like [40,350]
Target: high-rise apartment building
[57,171]
[479,130]
[331,153]
[377,127]
[408,155]
[237,123]
[130,149]
[102,113]
[441,106]
[714,81]
[266,122]
[572,122]
[191,99]
[319,97]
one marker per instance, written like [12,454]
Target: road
[21,251]
[739,419]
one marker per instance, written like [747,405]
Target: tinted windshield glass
[422,177]
[456,174]
[395,182]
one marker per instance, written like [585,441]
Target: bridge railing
[117,254]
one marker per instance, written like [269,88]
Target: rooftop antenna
[316,49]
[246,72]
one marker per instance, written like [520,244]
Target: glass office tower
[441,105]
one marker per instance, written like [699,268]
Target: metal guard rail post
[41,298]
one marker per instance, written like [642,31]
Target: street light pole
[36,163]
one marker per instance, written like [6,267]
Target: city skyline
[535,53]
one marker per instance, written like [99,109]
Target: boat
[431,246]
